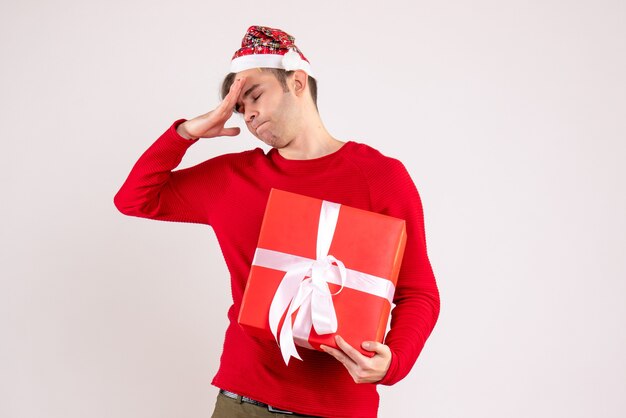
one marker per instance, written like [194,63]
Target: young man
[271,85]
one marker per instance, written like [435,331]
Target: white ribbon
[311,296]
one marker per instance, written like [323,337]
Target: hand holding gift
[362,369]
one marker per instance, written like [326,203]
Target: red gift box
[332,268]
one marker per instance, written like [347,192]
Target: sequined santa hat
[264,47]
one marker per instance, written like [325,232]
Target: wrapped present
[330,268]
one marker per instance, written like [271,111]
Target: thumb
[230,132]
[374,346]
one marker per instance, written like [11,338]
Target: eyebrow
[246,94]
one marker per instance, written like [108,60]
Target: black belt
[253,402]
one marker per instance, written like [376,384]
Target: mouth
[256,128]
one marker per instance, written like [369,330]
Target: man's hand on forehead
[231,99]
[211,124]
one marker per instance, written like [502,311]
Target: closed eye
[238,107]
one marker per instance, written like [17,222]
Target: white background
[510,117]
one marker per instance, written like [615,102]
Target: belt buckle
[279,411]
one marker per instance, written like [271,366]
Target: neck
[312,141]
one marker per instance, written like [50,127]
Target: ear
[300,80]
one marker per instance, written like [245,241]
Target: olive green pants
[226,407]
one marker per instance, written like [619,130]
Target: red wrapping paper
[364,241]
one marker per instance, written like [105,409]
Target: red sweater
[229,193]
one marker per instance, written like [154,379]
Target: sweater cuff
[388,379]
[176,136]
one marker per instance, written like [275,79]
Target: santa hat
[264,47]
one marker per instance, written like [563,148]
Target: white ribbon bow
[311,297]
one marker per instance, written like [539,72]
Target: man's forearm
[153,190]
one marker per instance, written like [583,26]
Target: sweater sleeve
[416,297]
[153,190]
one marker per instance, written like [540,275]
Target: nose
[250,115]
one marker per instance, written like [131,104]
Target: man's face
[270,113]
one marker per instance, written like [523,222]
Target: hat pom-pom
[291,60]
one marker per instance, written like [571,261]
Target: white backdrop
[510,117]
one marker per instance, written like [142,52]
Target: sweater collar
[324,160]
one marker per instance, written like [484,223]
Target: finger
[226,107]
[347,362]
[350,351]
[338,354]
[353,369]
[237,88]
[376,347]
[228,103]
[230,132]
[234,91]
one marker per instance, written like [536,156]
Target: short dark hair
[280,74]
